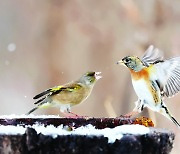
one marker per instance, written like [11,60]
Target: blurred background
[48,43]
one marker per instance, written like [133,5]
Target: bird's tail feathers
[41,104]
[40,100]
[167,114]
[42,94]
[32,110]
[175,121]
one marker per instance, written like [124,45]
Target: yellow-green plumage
[67,95]
[74,95]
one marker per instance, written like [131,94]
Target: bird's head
[90,78]
[132,62]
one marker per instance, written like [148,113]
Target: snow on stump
[52,134]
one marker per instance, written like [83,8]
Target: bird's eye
[127,60]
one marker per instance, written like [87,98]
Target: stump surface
[156,141]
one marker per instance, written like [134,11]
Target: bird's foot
[73,115]
[129,115]
[125,116]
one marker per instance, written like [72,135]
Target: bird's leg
[130,114]
[78,116]
[138,108]
[70,114]
[73,115]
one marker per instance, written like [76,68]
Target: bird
[67,95]
[153,79]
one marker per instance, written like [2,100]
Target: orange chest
[143,74]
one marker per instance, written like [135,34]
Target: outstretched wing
[152,55]
[168,76]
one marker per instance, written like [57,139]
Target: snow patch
[12,130]
[11,47]
[111,133]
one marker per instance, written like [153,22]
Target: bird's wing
[168,76]
[152,55]
[41,96]
[70,87]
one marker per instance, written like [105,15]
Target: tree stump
[26,134]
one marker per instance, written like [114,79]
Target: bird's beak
[121,63]
[97,75]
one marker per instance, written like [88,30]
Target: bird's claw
[75,116]
[129,115]
[125,116]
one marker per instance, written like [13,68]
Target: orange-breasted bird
[153,79]
[67,95]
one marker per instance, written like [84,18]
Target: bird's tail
[37,107]
[167,114]
[40,102]
[32,110]
[43,104]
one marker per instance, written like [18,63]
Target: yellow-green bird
[67,95]
[153,79]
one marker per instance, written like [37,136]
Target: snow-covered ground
[111,133]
